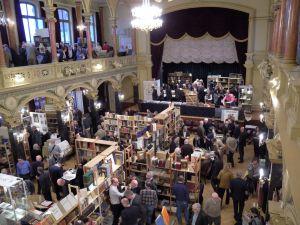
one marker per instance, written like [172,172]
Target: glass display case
[13,199]
[245,97]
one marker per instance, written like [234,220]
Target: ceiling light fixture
[146,17]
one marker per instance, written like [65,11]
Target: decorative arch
[115,84]
[132,76]
[58,101]
[81,85]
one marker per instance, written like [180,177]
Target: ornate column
[281,18]
[88,35]
[275,31]
[250,49]
[143,57]
[133,41]
[114,35]
[78,10]
[291,31]
[2,57]
[249,68]
[101,18]
[11,28]
[118,103]
[136,92]
[49,9]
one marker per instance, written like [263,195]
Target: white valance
[205,49]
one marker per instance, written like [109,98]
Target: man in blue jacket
[181,193]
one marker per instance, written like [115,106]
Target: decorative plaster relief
[60,91]
[11,103]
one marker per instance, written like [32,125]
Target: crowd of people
[137,202]
[32,54]
[213,94]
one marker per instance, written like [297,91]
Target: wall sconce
[261,117]
[98,67]
[261,173]
[19,136]
[98,105]
[81,27]
[190,75]
[19,78]
[121,96]
[85,91]
[24,111]
[65,117]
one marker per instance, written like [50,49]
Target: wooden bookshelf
[179,77]
[165,173]
[128,128]
[226,82]
[109,163]
[169,119]
[88,148]
[7,159]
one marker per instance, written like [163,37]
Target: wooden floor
[227,210]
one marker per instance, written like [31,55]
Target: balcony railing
[18,76]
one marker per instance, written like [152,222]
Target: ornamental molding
[66,81]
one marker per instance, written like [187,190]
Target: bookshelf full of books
[130,129]
[7,159]
[93,202]
[88,148]
[168,119]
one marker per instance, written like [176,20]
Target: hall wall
[261,22]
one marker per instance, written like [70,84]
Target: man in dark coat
[56,172]
[242,143]
[45,183]
[238,191]
[198,217]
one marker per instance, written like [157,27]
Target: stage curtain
[205,49]
[98,28]
[200,70]
[19,22]
[57,26]
[196,22]
[75,30]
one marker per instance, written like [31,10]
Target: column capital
[49,12]
[117,87]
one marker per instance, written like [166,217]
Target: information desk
[188,110]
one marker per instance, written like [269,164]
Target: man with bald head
[114,196]
[130,214]
[134,186]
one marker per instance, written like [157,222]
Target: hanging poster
[230,114]
[147,85]
[39,120]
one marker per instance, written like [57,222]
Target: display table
[188,110]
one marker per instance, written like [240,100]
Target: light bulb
[261,173]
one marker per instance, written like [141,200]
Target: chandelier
[146,17]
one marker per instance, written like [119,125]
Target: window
[65,25]
[31,22]
[93,28]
